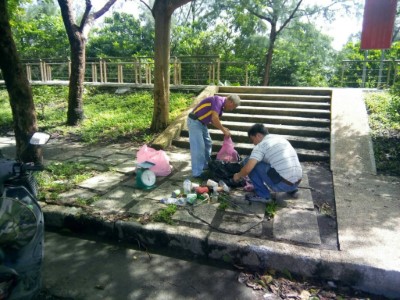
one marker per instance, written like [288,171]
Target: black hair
[257,128]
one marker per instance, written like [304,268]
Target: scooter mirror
[39,138]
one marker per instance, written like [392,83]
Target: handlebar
[11,168]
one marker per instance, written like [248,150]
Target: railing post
[105,70]
[48,72]
[364,73]
[120,74]
[180,72]
[380,69]
[175,71]
[69,68]
[29,72]
[135,68]
[247,75]
[218,69]
[342,75]
[94,72]
[42,75]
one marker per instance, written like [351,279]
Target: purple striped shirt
[204,108]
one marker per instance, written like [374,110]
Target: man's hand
[236,177]
[226,132]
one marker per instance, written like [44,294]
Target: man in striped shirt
[208,111]
[273,165]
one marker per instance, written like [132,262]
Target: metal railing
[369,73]
[200,70]
[185,70]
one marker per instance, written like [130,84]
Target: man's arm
[251,163]
[217,123]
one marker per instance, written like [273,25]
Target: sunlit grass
[109,117]
[384,121]
[60,177]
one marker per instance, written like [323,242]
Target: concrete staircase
[301,115]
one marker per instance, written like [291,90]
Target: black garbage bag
[223,170]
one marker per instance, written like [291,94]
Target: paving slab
[76,194]
[121,198]
[241,224]
[297,226]
[203,214]
[126,167]
[146,206]
[115,159]
[367,212]
[103,182]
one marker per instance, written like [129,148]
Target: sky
[340,30]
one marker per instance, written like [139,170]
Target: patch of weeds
[88,201]
[165,215]
[384,121]
[60,177]
[223,202]
[270,209]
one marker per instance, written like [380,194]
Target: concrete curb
[250,253]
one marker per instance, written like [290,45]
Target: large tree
[21,99]
[77,36]
[162,12]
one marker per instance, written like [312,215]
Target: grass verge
[384,121]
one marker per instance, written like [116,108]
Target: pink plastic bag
[228,152]
[157,157]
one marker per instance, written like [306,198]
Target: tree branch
[145,4]
[85,14]
[268,19]
[290,17]
[104,9]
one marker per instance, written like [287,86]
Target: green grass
[60,177]
[165,215]
[384,120]
[109,117]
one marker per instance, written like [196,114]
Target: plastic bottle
[224,186]
[187,186]
[214,196]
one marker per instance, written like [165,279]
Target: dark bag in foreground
[223,170]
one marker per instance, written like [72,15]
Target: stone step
[284,97]
[272,119]
[274,90]
[296,220]
[285,104]
[245,149]
[297,112]
[296,141]
[282,129]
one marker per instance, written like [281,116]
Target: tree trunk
[270,52]
[75,96]
[19,90]
[161,66]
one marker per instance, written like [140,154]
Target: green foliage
[108,116]
[165,215]
[40,33]
[121,35]
[302,57]
[384,120]
[5,112]
[270,209]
